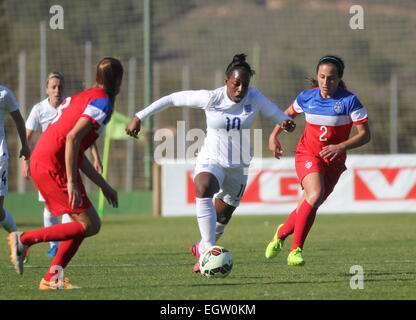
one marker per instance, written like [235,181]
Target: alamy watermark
[236,147]
[57,280]
[357,280]
[357,20]
[57,20]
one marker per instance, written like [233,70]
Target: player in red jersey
[330,111]
[55,164]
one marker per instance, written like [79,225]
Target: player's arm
[91,172]
[96,158]
[274,143]
[25,162]
[362,137]
[189,98]
[21,129]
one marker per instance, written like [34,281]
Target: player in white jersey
[8,104]
[40,116]
[220,164]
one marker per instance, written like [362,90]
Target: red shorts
[52,185]
[307,163]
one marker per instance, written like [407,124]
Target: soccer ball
[216,262]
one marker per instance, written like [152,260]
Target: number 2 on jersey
[324,130]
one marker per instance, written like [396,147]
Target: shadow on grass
[213,284]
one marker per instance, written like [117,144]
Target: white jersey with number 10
[228,123]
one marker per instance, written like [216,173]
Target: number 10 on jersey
[235,123]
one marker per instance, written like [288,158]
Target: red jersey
[328,120]
[93,104]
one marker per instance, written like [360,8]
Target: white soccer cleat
[17,250]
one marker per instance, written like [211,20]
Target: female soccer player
[229,110]
[40,116]
[330,110]
[55,164]
[8,104]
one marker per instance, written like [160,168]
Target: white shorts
[232,181]
[4,172]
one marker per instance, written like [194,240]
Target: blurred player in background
[8,104]
[54,166]
[219,169]
[40,116]
[330,111]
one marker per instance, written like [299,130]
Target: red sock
[59,232]
[288,227]
[66,251]
[304,221]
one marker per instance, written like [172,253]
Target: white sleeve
[270,110]
[32,122]
[191,99]
[10,101]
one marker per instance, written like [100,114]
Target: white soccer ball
[216,262]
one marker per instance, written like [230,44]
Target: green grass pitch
[143,257]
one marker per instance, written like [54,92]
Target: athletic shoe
[57,285]
[295,258]
[195,250]
[195,268]
[17,250]
[52,251]
[275,246]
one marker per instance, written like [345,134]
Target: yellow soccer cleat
[275,246]
[295,258]
[57,285]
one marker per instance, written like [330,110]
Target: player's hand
[288,125]
[133,128]
[331,151]
[275,147]
[25,169]
[111,195]
[74,195]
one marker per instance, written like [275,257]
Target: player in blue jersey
[330,111]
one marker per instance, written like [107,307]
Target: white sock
[48,221]
[8,222]
[66,218]
[207,218]
[219,230]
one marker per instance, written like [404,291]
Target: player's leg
[282,232]
[226,201]
[318,186]
[6,218]
[208,179]
[224,213]
[206,186]
[91,224]
[314,190]
[48,221]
